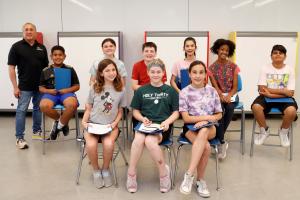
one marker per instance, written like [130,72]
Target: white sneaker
[202,188]
[284,139]
[107,178]
[186,185]
[98,180]
[222,150]
[260,138]
[21,143]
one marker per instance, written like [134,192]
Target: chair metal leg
[291,141]
[82,156]
[290,135]
[123,130]
[126,121]
[176,163]
[217,167]
[114,171]
[77,129]
[131,129]
[44,134]
[252,138]
[122,153]
[173,151]
[243,132]
[170,165]
[77,124]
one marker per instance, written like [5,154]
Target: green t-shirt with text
[155,103]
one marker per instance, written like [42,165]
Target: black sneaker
[65,130]
[54,131]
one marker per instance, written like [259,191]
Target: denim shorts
[59,98]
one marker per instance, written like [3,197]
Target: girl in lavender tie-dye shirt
[199,104]
[199,101]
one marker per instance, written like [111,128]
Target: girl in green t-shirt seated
[153,103]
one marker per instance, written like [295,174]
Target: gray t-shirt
[120,65]
[105,104]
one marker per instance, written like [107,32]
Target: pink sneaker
[131,183]
[165,181]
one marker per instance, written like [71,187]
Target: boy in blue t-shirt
[52,96]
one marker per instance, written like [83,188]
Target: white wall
[133,17]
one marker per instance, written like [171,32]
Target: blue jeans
[22,108]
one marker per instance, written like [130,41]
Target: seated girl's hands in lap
[146,121]
[165,126]
[199,124]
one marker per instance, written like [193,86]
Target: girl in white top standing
[109,48]
[189,47]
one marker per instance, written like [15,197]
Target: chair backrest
[168,141]
[240,85]
[185,78]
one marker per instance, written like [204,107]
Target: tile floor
[27,174]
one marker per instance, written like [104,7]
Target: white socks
[105,172]
[60,125]
[97,173]
[284,130]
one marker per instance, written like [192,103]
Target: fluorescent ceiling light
[82,5]
[262,3]
[243,3]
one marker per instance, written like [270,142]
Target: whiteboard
[253,51]
[170,46]
[7,101]
[82,49]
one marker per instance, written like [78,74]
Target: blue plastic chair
[239,106]
[83,154]
[59,108]
[290,134]
[62,80]
[168,145]
[184,79]
[182,140]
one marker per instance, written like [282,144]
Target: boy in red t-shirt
[139,72]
